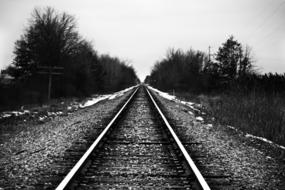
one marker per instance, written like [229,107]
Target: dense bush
[116,73]
[179,70]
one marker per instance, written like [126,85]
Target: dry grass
[256,114]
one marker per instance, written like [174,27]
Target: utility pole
[50,71]
[209,54]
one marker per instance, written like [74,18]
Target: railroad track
[137,150]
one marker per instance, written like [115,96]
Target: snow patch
[233,128]
[264,140]
[163,94]
[54,113]
[193,108]
[120,93]
[6,115]
[186,103]
[18,113]
[199,118]
[13,113]
[104,97]
[94,101]
[191,113]
[42,118]
[256,137]
[174,98]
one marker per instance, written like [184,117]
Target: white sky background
[142,30]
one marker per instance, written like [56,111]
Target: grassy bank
[256,114]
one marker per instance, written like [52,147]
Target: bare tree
[48,41]
[245,65]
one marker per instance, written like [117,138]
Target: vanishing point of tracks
[137,150]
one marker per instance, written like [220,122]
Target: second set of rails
[138,149]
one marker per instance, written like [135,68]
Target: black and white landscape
[133,94]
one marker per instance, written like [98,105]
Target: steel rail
[202,182]
[66,181]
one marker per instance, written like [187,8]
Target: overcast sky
[142,30]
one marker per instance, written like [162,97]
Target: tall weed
[260,115]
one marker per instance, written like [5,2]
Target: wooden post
[50,71]
[209,53]
[49,85]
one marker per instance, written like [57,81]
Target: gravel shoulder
[32,157]
[226,158]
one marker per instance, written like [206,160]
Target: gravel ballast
[226,157]
[30,157]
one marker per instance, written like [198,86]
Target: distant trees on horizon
[231,70]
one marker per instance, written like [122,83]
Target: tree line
[52,49]
[231,70]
